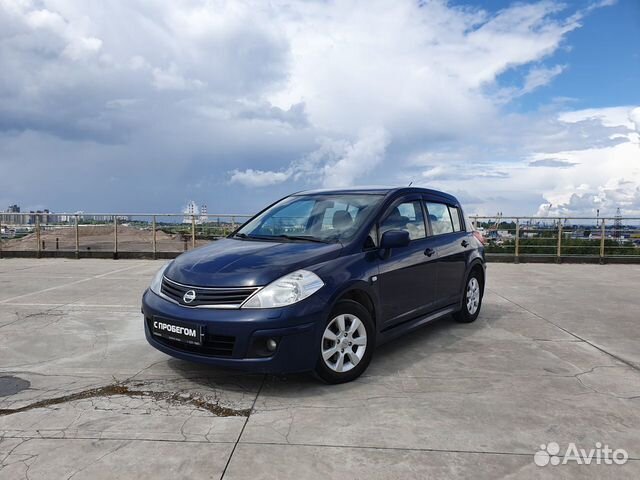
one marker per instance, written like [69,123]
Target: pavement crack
[233,450]
[6,457]
[575,335]
[121,389]
[110,452]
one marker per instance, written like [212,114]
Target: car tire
[472,300]
[341,356]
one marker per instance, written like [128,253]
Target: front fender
[359,286]
[348,273]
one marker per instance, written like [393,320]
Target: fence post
[193,231]
[38,235]
[77,237]
[1,236]
[517,248]
[115,237]
[559,254]
[602,234]
[153,227]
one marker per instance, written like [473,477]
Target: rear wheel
[347,343]
[472,299]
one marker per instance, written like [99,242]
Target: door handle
[464,243]
[429,251]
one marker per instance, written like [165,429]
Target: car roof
[375,190]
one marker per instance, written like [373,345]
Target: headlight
[156,283]
[286,290]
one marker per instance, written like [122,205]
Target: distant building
[190,211]
[38,216]
[204,217]
[70,218]
[101,218]
[9,217]
[13,216]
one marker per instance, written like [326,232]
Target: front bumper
[298,327]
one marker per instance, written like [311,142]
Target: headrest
[342,220]
[394,216]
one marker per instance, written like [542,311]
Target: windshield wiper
[302,237]
[256,237]
[275,237]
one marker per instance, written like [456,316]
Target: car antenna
[410,183]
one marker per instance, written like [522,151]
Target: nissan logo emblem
[189,296]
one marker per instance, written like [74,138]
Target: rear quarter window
[455,218]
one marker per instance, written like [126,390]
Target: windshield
[326,218]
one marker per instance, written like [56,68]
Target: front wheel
[472,299]
[347,343]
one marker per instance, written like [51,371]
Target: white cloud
[360,157]
[540,76]
[600,169]
[82,48]
[199,95]
[45,19]
[258,178]
[333,164]
[419,70]
[634,116]
[609,177]
[171,79]
[619,116]
[551,163]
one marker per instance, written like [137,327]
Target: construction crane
[617,224]
[492,229]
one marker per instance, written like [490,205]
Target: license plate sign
[178,331]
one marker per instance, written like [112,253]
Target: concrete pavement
[554,357]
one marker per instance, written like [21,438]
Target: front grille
[213,345]
[207,296]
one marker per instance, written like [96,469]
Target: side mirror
[394,239]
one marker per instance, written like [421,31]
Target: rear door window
[439,218]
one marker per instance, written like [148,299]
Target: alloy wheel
[344,343]
[473,295]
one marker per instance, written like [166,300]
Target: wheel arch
[360,293]
[475,265]
[478,266]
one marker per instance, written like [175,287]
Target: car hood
[239,263]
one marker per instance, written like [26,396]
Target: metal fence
[110,235]
[121,235]
[560,238]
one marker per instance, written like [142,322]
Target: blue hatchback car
[317,280]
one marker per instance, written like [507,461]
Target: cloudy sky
[521,107]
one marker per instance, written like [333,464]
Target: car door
[407,275]
[452,244]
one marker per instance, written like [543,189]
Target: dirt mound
[98,237]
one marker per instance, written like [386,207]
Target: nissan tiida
[316,281]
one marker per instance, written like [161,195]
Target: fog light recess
[272,344]
[264,347]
